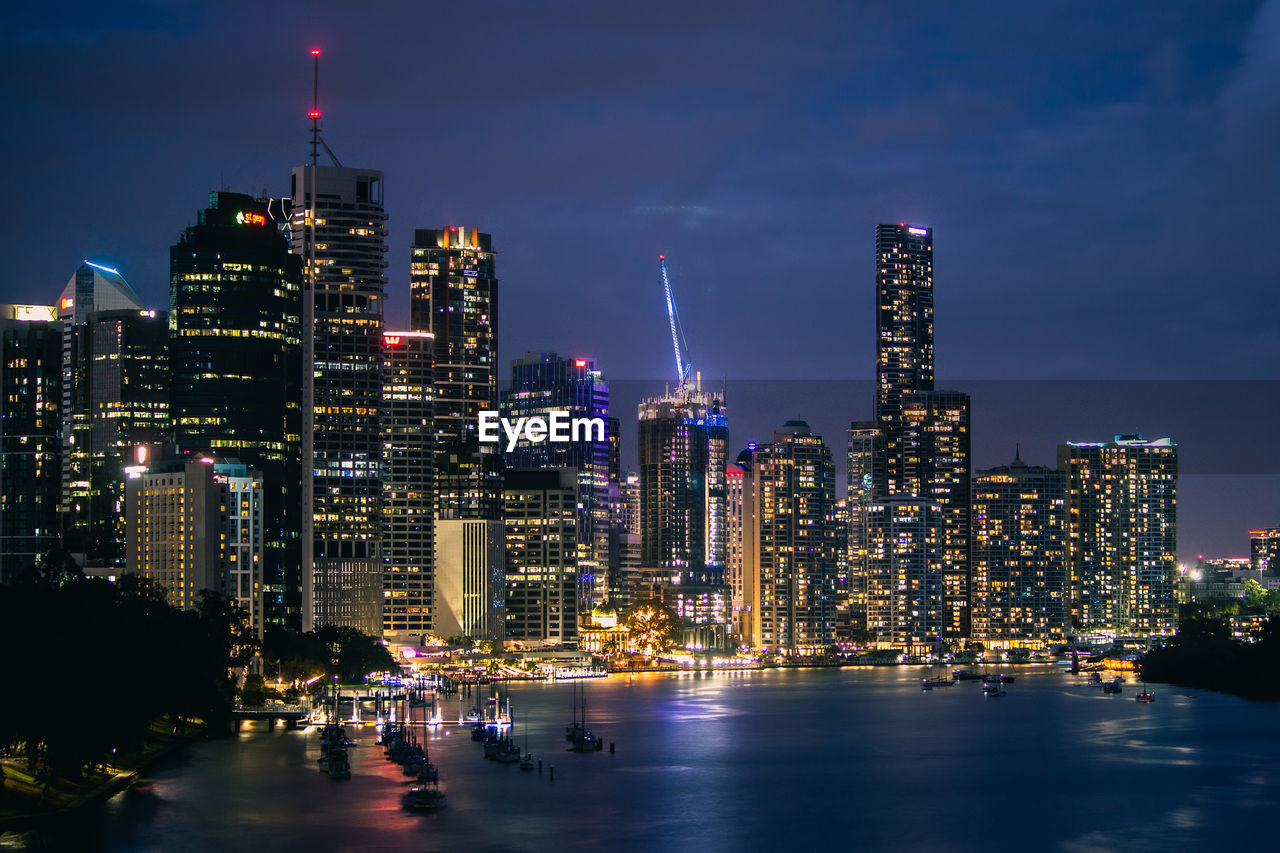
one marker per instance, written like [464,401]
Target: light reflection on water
[745,761]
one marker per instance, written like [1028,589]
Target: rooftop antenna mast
[316,141]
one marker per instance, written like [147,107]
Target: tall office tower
[543,383]
[339,232]
[733,568]
[408,465]
[684,441]
[470,578]
[904,334]
[1020,590]
[936,466]
[541,512]
[866,485]
[127,398]
[235,354]
[196,524]
[30,426]
[1122,498]
[904,575]
[791,556]
[1264,551]
[453,293]
[92,287]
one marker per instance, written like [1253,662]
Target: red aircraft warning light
[313,114]
[315,51]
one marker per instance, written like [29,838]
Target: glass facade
[235,314]
[30,424]
[453,294]
[408,466]
[540,384]
[339,232]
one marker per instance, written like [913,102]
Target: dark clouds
[1101,177]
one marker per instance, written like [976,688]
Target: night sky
[1101,177]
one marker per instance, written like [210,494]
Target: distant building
[734,477]
[936,466]
[904,336]
[541,515]
[1020,556]
[866,482]
[630,487]
[1122,498]
[338,230]
[235,358]
[1264,550]
[470,579]
[86,531]
[624,566]
[30,428]
[1225,569]
[905,605]
[453,293]
[683,448]
[408,487]
[790,542]
[128,415]
[196,524]
[542,383]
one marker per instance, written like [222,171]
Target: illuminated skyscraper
[683,442]
[339,231]
[453,293]
[904,334]
[904,575]
[734,480]
[408,463]
[541,512]
[92,288]
[542,383]
[1020,588]
[924,433]
[235,315]
[1122,498]
[791,541]
[30,426]
[934,440]
[128,404]
[866,484]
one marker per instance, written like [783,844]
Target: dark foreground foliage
[89,665]
[1204,655]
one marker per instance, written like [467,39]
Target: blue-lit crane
[683,368]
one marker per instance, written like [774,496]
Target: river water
[775,760]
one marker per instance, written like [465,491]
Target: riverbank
[1203,655]
[26,801]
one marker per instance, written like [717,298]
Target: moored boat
[423,799]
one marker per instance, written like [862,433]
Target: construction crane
[683,368]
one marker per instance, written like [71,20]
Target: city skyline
[1224,57]
[349,487]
